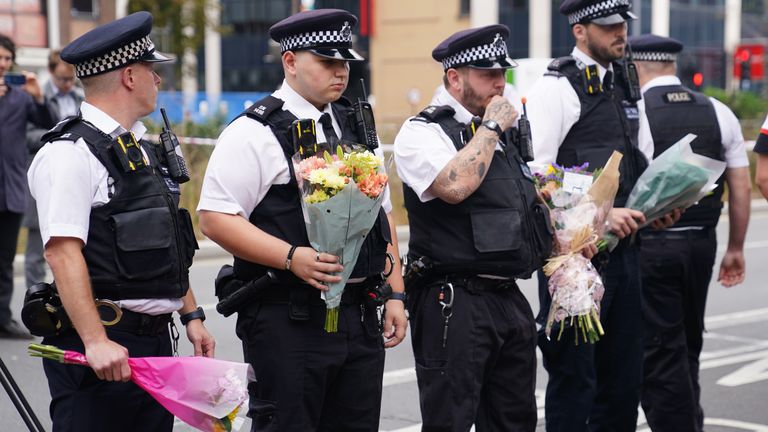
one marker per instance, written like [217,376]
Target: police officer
[581,110]
[307,379]
[677,262]
[113,230]
[475,225]
[761,168]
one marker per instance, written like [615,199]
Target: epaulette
[556,66]
[59,131]
[263,108]
[434,113]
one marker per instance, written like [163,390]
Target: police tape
[387,148]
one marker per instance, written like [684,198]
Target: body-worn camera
[128,152]
[177,167]
[304,137]
[43,313]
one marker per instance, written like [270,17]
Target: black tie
[608,81]
[330,135]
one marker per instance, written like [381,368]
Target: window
[464,8]
[85,7]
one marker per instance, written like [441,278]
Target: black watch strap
[492,125]
[198,313]
[398,296]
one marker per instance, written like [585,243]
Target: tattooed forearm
[466,171]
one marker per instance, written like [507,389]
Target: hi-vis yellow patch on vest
[678,97]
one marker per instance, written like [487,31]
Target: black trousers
[80,402]
[308,379]
[486,373]
[10,223]
[677,268]
[597,387]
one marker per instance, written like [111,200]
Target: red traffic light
[743,55]
[698,79]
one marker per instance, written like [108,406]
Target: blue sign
[202,107]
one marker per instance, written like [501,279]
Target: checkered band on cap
[491,51]
[597,10]
[654,56]
[329,38]
[115,58]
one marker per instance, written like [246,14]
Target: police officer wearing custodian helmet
[113,231]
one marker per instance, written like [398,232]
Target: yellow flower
[316,197]
[327,178]
[550,170]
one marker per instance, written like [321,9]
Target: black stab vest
[280,213]
[673,112]
[501,229]
[608,121]
[140,243]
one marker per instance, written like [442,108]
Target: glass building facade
[251,60]
[697,23]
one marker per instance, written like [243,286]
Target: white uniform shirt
[67,180]
[422,149]
[553,109]
[248,160]
[730,129]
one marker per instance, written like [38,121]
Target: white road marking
[709,364]
[736,318]
[751,373]
[736,424]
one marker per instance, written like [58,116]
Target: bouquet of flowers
[579,202]
[203,392]
[678,178]
[342,194]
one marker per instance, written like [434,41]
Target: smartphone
[14,79]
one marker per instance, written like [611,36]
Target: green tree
[183,22]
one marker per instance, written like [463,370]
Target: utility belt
[422,272]
[44,315]
[687,234]
[234,294]
[476,284]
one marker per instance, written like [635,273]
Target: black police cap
[481,48]
[113,45]
[324,32]
[601,12]
[650,47]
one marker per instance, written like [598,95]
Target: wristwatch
[398,296]
[198,313]
[492,125]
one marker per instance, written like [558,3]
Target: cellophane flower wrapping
[208,394]
[578,216]
[342,194]
[677,179]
